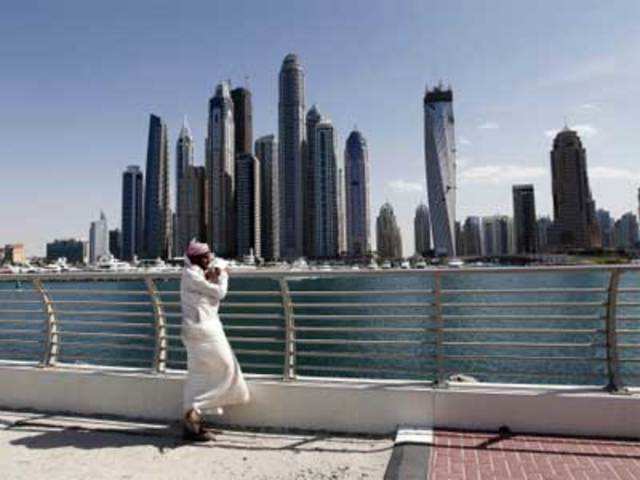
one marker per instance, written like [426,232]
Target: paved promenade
[36,446]
[473,456]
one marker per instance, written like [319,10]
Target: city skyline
[510,99]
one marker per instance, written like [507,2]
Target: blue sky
[79,79]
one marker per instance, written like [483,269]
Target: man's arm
[215,290]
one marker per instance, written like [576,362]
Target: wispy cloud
[489,126]
[500,174]
[590,107]
[612,173]
[464,141]
[404,186]
[584,130]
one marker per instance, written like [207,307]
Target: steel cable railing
[522,325]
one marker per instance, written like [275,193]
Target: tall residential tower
[357,195]
[439,149]
[266,150]
[131,213]
[184,162]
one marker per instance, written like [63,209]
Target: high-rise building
[388,238]
[98,239]
[157,206]
[14,253]
[605,224]
[220,171]
[524,219]
[248,205]
[342,212]
[357,194]
[308,182]
[291,136]
[472,232]
[497,236]
[243,120]
[543,227]
[196,200]
[626,232]
[266,149]
[70,249]
[326,215]
[574,223]
[115,243]
[439,148]
[132,226]
[459,238]
[184,161]
[422,231]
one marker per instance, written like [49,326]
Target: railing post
[437,303]
[289,370]
[615,384]
[51,341]
[160,353]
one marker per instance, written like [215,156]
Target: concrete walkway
[55,447]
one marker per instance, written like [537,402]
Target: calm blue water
[94,338]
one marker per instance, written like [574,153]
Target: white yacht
[405,265]
[108,263]
[300,264]
[386,265]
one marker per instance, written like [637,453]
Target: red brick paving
[480,456]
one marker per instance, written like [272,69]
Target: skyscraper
[266,149]
[439,148]
[357,194]
[472,233]
[422,231]
[291,135]
[243,120]
[626,232]
[132,226]
[342,213]
[115,243]
[308,182]
[220,164]
[157,212]
[573,207]
[524,219]
[98,239]
[543,227]
[248,204]
[497,236]
[326,214]
[184,161]
[605,223]
[388,238]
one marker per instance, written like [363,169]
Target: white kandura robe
[214,377]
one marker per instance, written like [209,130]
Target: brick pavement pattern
[479,456]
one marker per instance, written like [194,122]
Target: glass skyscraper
[422,231]
[326,207]
[184,161]
[291,135]
[157,212]
[439,149]
[132,229]
[266,149]
[357,194]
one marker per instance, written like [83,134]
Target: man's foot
[201,436]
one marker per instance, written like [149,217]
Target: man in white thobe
[214,377]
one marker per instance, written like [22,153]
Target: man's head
[199,254]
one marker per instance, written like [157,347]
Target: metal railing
[573,325]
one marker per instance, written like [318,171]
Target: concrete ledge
[331,405]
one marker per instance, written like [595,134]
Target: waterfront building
[342,212]
[242,120]
[459,238]
[543,227]
[14,253]
[472,233]
[524,219]
[497,237]
[626,232]
[220,164]
[71,249]
[184,161]
[115,243]
[157,210]
[606,225]
[266,149]
[388,237]
[98,239]
[357,195]
[313,117]
[132,214]
[422,231]
[575,224]
[248,204]
[326,215]
[439,148]
[196,199]
[291,138]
